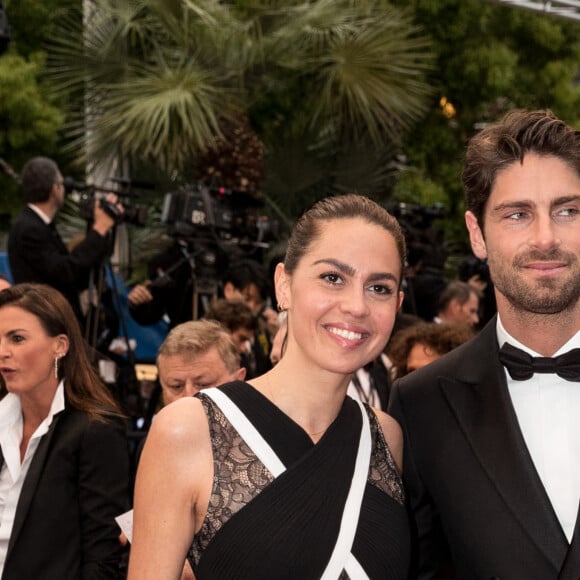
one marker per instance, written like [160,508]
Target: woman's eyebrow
[350,271]
[345,268]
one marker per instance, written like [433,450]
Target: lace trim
[239,476]
[383,473]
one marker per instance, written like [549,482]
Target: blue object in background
[148,338]
[5,266]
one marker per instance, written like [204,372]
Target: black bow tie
[521,366]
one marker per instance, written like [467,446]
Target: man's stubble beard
[543,296]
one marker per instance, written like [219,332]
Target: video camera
[135,214]
[199,210]
[416,216]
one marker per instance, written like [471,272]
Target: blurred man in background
[459,302]
[36,251]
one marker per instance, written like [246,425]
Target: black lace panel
[239,476]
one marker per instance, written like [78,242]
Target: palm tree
[322,89]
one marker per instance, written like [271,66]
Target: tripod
[204,289]
[103,322]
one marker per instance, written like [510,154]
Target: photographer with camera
[36,251]
[168,292]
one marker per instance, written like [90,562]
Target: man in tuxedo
[36,251]
[492,436]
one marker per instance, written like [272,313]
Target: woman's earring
[56,366]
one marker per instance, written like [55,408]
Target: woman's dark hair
[307,228]
[83,387]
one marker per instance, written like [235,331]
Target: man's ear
[53,191]
[475,236]
[240,374]
[454,307]
[282,284]
[229,291]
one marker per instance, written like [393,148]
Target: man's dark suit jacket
[37,253]
[471,482]
[78,482]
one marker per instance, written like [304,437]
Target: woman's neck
[36,406]
[311,398]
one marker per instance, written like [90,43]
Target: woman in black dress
[286,476]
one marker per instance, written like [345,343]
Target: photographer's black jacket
[37,253]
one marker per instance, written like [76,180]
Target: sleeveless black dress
[261,527]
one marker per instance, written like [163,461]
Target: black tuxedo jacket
[78,482]
[37,253]
[472,486]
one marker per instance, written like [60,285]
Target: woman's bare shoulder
[181,415]
[177,426]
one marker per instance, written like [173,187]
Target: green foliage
[32,22]
[329,87]
[336,90]
[30,117]
[28,121]
[490,58]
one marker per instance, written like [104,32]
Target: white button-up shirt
[13,472]
[548,411]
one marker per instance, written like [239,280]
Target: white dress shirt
[13,472]
[360,388]
[548,411]
[40,213]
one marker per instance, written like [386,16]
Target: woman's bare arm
[173,483]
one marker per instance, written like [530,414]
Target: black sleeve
[150,312]
[103,495]
[430,558]
[171,277]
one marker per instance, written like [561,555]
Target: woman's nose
[355,302]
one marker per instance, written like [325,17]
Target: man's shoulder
[27,219]
[28,214]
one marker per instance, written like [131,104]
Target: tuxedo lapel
[31,482]
[571,567]
[480,402]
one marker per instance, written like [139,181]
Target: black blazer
[37,253]
[472,485]
[78,482]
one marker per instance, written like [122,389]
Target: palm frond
[154,79]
